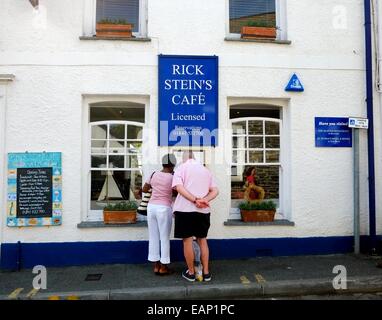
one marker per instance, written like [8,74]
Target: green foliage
[113,21]
[122,206]
[260,23]
[261,205]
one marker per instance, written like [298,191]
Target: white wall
[55,70]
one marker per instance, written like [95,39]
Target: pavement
[231,279]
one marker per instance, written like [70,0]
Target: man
[196,188]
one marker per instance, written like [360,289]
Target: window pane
[256,156]
[272,128]
[256,142]
[272,142]
[119,9]
[99,146]
[243,11]
[98,162]
[117,131]
[133,162]
[239,156]
[255,127]
[272,156]
[134,132]
[134,147]
[116,147]
[239,127]
[116,161]
[99,132]
[239,142]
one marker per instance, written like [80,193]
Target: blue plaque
[188,100]
[332,132]
[294,84]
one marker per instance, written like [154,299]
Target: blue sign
[188,101]
[332,132]
[294,84]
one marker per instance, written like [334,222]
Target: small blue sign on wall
[188,100]
[294,84]
[332,132]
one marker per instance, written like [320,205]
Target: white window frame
[281,21]
[89,19]
[88,102]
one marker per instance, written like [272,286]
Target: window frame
[281,21]
[90,14]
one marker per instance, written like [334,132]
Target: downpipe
[370,132]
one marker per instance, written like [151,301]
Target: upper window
[125,10]
[244,12]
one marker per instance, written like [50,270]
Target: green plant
[113,21]
[260,23]
[122,206]
[261,205]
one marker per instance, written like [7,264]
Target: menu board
[34,189]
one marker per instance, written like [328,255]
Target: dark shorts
[191,224]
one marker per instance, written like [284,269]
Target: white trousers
[159,222]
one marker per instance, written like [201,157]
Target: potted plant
[258,29]
[257,211]
[114,28]
[120,212]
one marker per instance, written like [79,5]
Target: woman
[159,215]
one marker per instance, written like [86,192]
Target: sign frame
[162,116]
[34,161]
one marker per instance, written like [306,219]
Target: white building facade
[62,89]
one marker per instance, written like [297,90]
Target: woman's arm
[146,188]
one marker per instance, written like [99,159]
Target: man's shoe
[207,277]
[186,275]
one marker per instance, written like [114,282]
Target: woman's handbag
[142,209]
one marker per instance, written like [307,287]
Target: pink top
[161,188]
[197,180]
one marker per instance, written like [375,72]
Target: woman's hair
[248,172]
[168,161]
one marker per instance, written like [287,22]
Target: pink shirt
[197,180]
[161,188]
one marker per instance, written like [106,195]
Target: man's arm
[212,194]
[183,191]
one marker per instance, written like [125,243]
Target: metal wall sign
[294,84]
[358,123]
[188,100]
[332,132]
[34,189]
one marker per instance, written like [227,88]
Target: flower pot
[258,32]
[114,30]
[119,217]
[257,215]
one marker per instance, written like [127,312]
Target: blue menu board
[34,189]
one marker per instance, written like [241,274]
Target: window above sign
[257,19]
[115,19]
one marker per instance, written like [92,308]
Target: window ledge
[281,222]
[258,40]
[101,224]
[138,39]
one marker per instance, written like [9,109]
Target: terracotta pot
[257,215]
[119,217]
[114,30]
[258,32]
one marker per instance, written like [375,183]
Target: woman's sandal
[157,268]
[164,270]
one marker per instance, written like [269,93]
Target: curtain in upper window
[243,11]
[119,9]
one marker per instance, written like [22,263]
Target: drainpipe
[370,132]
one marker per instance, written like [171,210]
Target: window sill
[138,39]
[281,222]
[101,224]
[258,40]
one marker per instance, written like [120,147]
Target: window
[115,155]
[256,147]
[272,12]
[243,11]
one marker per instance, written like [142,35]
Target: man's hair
[168,161]
[188,154]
